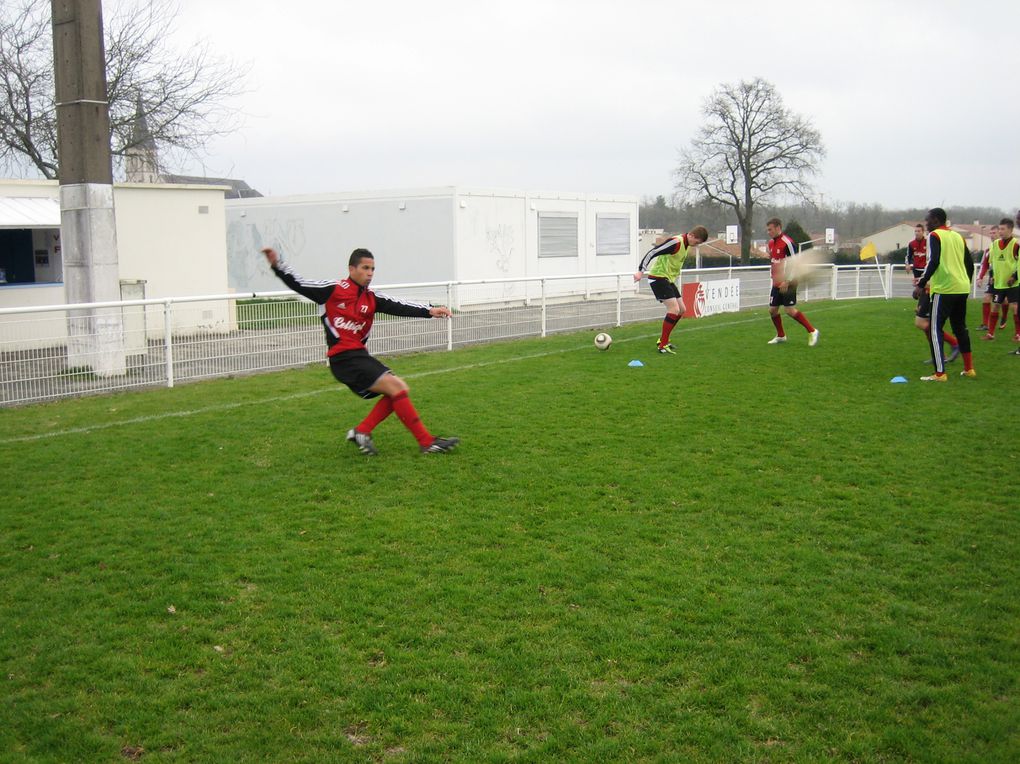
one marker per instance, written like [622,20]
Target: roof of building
[239,189]
[29,212]
[720,247]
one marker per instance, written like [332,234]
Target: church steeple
[141,161]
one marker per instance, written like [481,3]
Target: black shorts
[923,305]
[787,298]
[1012,294]
[990,289]
[358,370]
[664,289]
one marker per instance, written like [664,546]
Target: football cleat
[935,378]
[440,446]
[968,373]
[953,354]
[983,328]
[813,338]
[777,340]
[1016,352]
[665,349]
[1016,337]
[989,336]
[363,441]
[1002,324]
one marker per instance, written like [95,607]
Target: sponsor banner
[703,298]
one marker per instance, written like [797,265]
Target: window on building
[557,234]
[612,235]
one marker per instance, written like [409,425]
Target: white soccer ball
[603,341]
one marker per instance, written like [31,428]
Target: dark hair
[775,222]
[918,225]
[1006,221]
[358,255]
[938,215]
[700,231]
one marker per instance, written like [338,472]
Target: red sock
[951,339]
[968,362]
[986,307]
[382,409]
[778,321]
[994,323]
[801,319]
[1016,320]
[667,327]
[409,416]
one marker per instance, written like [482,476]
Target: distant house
[890,239]
[978,237]
[719,248]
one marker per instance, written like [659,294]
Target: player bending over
[348,308]
[662,264]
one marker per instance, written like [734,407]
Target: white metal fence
[60,351]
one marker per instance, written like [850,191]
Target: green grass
[742,553]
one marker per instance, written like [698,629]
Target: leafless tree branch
[184,98]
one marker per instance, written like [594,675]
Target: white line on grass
[308,394]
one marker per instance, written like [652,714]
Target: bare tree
[184,99]
[750,148]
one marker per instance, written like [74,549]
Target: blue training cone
[635,362]
[899,380]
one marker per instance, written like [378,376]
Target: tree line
[852,220]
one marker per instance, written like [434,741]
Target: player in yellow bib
[662,264]
[948,274]
[1002,256]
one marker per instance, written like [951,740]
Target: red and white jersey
[917,256]
[780,248]
[347,309]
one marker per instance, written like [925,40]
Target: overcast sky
[917,102]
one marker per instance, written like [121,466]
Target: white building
[892,238]
[170,241]
[433,234]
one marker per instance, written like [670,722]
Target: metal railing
[58,351]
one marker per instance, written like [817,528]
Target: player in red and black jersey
[917,252]
[348,309]
[784,292]
[917,261]
[984,270]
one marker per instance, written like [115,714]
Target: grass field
[741,553]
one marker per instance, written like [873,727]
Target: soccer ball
[603,341]
[803,268]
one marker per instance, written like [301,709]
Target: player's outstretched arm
[440,311]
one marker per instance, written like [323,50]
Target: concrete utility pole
[87,224]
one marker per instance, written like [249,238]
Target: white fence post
[449,322]
[168,342]
[835,282]
[542,282]
[619,302]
